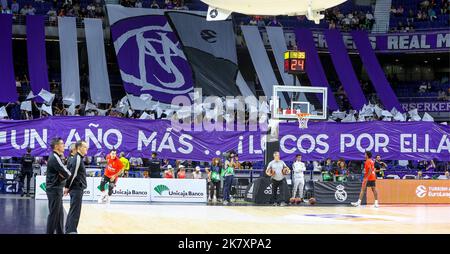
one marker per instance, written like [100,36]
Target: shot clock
[294,62]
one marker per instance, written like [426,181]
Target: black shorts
[370,184]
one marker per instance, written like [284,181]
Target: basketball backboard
[288,101]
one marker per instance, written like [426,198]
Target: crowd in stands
[356,20]
[353,20]
[53,9]
[167,4]
[419,14]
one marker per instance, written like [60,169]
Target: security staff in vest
[26,171]
[57,174]
[155,167]
[75,186]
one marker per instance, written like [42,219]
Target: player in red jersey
[369,180]
[114,168]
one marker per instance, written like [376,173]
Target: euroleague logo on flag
[213,13]
[209,36]
[147,43]
[421,191]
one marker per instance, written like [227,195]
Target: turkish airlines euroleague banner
[391,140]
[137,138]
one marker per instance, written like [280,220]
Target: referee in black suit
[57,174]
[75,186]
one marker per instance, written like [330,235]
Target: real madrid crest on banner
[340,194]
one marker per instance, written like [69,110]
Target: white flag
[137,103]
[25,105]
[413,112]
[378,111]
[159,112]
[169,112]
[71,109]
[102,112]
[427,118]
[386,113]
[145,116]
[90,106]
[153,105]
[30,96]
[47,96]
[350,118]
[47,109]
[3,112]
[399,117]
[338,114]
[394,111]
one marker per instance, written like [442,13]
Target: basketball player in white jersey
[299,179]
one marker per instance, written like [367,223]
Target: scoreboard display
[294,62]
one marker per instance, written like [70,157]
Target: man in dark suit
[75,186]
[57,173]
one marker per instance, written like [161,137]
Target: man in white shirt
[299,178]
[275,169]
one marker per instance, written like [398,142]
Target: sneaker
[274,204]
[23,194]
[375,205]
[102,199]
[28,195]
[107,200]
[282,204]
[355,204]
[225,202]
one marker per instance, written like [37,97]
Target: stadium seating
[442,21]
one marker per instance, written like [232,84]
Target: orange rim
[302,115]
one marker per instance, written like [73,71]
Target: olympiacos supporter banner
[138,138]
[391,140]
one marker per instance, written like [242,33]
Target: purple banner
[314,68]
[391,140]
[37,63]
[151,58]
[409,42]
[7,79]
[443,106]
[344,69]
[376,74]
[397,42]
[135,137]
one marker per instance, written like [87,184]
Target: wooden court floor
[189,219]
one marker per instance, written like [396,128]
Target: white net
[303,119]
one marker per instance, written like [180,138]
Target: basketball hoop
[303,120]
